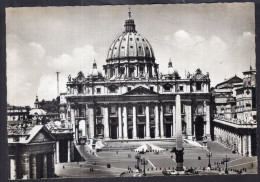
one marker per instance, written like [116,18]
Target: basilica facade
[133,100]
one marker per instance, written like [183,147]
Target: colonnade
[31,166]
[58,152]
[240,143]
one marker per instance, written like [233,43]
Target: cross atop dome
[129,12]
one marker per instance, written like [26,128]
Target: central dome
[130,55]
[130,44]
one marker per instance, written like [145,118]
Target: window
[112,89]
[98,111]
[113,110]
[98,90]
[131,39]
[128,89]
[167,88]
[182,109]
[151,88]
[80,89]
[130,110]
[151,110]
[137,39]
[168,109]
[131,47]
[140,109]
[181,88]
[198,86]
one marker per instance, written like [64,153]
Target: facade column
[125,122]
[91,121]
[120,131]
[77,130]
[147,122]
[249,146]
[69,151]
[33,167]
[156,121]
[174,120]
[188,120]
[58,151]
[106,123]
[72,118]
[134,123]
[45,164]
[13,169]
[208,121]
[161,121]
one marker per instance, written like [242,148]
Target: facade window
[131,39]
[113,110]
[151,88]
[180,88]
[167,88]
[182,109]
[80,89]
[140,110]
[129,88]
[98,111]
[168,109]
[112,89]
[131,47]
[130,111]
[98,90]
[151,110]
[198,86]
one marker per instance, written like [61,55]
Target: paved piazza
[122,160]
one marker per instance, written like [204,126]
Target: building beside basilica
[133,100]
[235,114]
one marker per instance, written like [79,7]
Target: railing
[236,120]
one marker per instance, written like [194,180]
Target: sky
[217,38]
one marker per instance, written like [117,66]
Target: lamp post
[144,162]
[209,154]
[138,157]
[226,160]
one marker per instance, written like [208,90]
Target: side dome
[130,44]
[94,72]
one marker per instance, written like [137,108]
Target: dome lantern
[129,23]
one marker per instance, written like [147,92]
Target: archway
[82,128]
[199,128]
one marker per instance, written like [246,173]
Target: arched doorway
[199,128]
[82,128]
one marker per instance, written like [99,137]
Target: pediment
[141,91]
[42,135]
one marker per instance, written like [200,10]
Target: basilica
[132,100]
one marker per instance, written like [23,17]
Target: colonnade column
[147,126]
[106,123]
[69,151]
[13,173]
[91,121]
[188,120]
[156,121]
[119,122]
[45,165]
[58,151]
[125,122]
[33,167]
[173,120]
[134,123]
[249,146]
[161,121]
